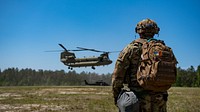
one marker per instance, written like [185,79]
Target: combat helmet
[147,27]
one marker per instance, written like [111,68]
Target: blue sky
[30,27]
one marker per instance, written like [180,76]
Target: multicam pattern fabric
[125,72]
[153,102]
[157,69]
[127,63]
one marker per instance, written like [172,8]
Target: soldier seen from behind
[148,66]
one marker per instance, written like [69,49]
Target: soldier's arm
[121,66]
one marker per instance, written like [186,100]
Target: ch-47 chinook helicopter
[69,59]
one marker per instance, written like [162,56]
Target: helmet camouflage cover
[147,26]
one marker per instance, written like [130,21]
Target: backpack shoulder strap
[139,40]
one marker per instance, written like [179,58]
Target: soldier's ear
[157,31]
[136,30]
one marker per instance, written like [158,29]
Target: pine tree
[198,76]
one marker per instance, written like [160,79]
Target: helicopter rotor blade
[89,49]
[97,50]
[76,50]
[113,51]
[62,47]
[61,50]
[68,50]
[54,51]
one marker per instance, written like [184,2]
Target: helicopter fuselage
[69,59]
[87,62]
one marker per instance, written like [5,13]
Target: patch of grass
[184,99]
[70,99]
[83,99]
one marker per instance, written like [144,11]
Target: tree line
[188,77]
[29,77]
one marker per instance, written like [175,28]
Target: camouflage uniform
[125,72]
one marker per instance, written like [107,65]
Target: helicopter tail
[86,83]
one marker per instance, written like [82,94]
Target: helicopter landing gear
[93,67]
[70,68]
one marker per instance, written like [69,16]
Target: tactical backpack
[157,67]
